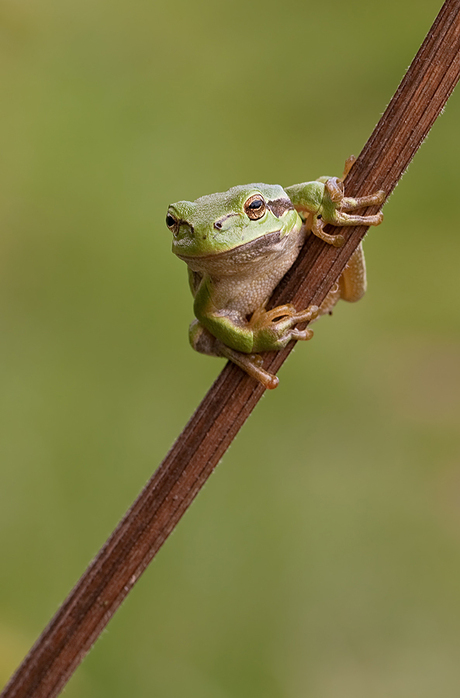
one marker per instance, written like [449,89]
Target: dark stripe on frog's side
[280,206]
[277,207]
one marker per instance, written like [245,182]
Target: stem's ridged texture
[88,608]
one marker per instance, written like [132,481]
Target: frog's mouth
[265,248]
[247,250]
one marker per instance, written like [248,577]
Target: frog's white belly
[248,289]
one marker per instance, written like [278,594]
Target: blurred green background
[322,559]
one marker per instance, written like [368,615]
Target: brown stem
[112,574]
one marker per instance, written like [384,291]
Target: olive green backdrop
[322,560]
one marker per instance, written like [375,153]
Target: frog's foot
[264,318]
[334,192]
[283,318]
[350,204]
[251,364]
[274,329]
[334,208]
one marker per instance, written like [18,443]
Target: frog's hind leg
[353,282]
[205,343]
[351,285]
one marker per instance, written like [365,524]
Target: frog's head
[227,220]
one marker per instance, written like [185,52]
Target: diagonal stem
[406,122]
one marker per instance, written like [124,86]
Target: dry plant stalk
[406,122]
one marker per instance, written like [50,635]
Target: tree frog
[238,245]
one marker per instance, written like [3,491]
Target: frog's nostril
[218,225]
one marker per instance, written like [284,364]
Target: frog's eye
[170,221]
[173,224]
[255,207]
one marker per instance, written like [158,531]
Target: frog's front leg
[323,201]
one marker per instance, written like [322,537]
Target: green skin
[239,244]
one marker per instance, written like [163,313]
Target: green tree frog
[238,245]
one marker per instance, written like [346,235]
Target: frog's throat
[256,256]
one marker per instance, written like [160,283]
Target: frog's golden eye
[255,207]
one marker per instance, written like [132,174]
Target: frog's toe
[252,365]
[317,229]
[281,311]
[338,240]
[349,162]
[255,359]
[301,335]
[307,315]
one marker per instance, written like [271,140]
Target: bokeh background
[322,559]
